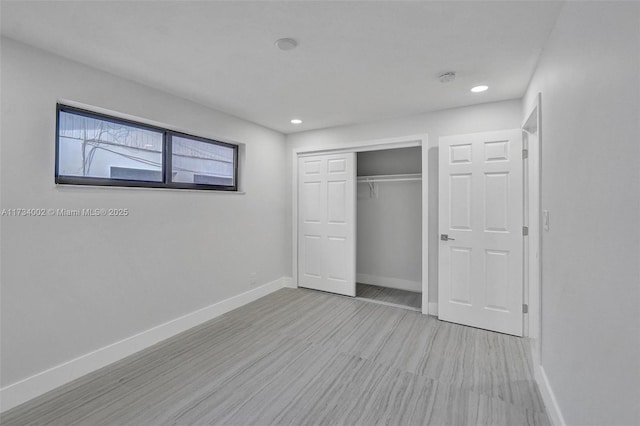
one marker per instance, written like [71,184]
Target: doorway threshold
[389,296]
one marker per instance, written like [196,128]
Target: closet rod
[391,178]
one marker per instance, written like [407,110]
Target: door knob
[445,237]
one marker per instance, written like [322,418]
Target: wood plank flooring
[389,295]
[305,357]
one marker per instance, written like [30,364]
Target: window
[95,149]
[201,162]
[98,148]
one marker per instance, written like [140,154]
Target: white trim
[532,129]
[31,387]
[549,398]
[397,283]
[426,306]
[288,282]
[362,146]
[433,309]
[71,187]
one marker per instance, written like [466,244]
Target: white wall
[478,118]
[389,221]
[71,285]
[589,79]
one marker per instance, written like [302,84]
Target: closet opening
[389,227]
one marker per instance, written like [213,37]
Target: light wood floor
[389,295]
[305,357]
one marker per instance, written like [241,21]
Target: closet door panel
[337,202]
[312,257]
[311,204]
[326,210]
[336,266]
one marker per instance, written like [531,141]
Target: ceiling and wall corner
[355,61]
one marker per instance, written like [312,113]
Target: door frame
[533,286]
[409,141]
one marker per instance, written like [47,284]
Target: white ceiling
[355,62]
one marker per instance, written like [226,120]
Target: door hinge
[525,308]
[525,154]
[525,230]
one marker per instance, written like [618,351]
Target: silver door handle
[445,237]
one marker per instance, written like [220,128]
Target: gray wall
[389,224]
[71,285]
[477,118]
[390,161]
[589,79]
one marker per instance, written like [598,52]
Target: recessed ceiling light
[479,89]
[286,44]
[296,121]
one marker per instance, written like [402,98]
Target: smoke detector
[447,77]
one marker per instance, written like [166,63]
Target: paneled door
[326,223]
[480,278]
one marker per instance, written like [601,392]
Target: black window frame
[167,152]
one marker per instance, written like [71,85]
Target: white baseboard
[288,282]
[433,309]
[548,397]
[38,384]
[400,284]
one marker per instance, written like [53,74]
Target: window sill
[71,186]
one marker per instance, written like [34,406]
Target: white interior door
[326,223]
[480,279]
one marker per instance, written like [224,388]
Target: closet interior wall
[389,224]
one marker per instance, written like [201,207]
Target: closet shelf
[391,178]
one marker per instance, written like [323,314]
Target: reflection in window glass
[98,148]
[198,162]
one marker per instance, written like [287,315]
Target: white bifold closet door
[327,223]
[481,235]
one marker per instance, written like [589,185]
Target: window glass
[99,148]
[95,149]
[198,162]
